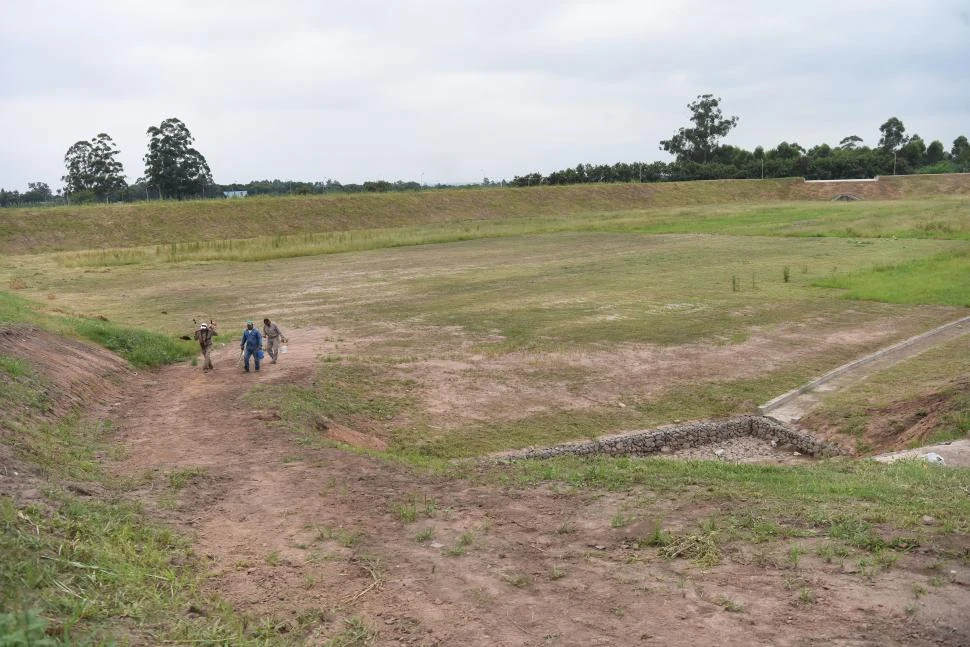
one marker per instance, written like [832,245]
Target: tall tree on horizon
[172,166]
[893,135]
[849,143]
[698,144]
[93,169]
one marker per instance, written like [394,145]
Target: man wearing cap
[251,342]
[204,336]
[273,336]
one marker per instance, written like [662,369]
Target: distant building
[235,194]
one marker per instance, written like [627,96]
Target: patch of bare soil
[908,423]
[903,424]
[480,387]
[316,536]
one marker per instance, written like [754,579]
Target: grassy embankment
[163,223]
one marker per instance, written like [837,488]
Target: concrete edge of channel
[773,404]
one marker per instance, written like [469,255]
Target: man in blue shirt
[251,344]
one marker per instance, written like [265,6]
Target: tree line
[174,169]
[699,155]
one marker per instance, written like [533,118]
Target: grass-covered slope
[163,223]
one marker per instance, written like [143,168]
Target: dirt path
[324,537]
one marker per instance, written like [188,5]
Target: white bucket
[283,348]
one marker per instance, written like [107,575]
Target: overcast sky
[456,90]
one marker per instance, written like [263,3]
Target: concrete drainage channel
[671,438]
[677,438]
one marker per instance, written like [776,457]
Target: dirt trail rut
[319,536]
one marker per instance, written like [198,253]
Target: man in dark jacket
[204,336]
[250,344]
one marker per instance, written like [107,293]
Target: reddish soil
[316,536]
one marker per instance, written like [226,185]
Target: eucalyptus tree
[173,167]
[849,143]
[893,135]
[93,170]
[698,144]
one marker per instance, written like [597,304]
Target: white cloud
[445,91]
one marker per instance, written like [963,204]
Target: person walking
[274,337]
[204,336]
[250,345]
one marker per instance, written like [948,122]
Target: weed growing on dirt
[659,537]
[867,568]
[426,534]
[465,540]
[346,537]
[309,617]
[355,634]
[414,506]
[765,558]
[885,559]
[178,479]
[728,604]
[757,528]
[620,520]
[518,580]
[832,552]
[795,553]
[407,512]
[806,596]
[566,528]
[703,549]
